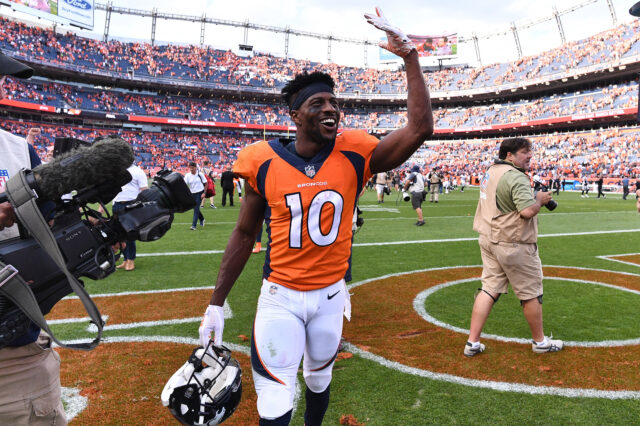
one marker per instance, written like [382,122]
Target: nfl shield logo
[310,170]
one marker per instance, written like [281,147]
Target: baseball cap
[635,9]
[415,168]
[9,66]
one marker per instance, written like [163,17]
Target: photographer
[508,227]
[29,368]
[435,180]
[415,185]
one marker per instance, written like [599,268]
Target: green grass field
[574,235]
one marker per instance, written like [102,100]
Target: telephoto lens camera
[84,237]
[552,204]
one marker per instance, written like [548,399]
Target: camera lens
[551,205]
[170,191]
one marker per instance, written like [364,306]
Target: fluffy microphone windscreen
[105,160]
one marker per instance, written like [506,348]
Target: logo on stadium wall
[79,4]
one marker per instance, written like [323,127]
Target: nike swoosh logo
[331,296]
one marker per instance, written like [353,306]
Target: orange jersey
[308,206]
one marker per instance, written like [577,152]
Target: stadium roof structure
[514,27]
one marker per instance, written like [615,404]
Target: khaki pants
[517,264]
[435,192]
[30,385]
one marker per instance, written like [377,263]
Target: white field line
[74,320]
[93,329]
[228,313]
[610,258]
[129,293]
[74,402]
[428,218]
[161,339]
[486,384]
[79,406]
[371,208]
[392,243]
[374,208]
[498,386]
[591,269]
[419,302]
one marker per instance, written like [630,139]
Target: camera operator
[508,227]
[29,368]
[415,185]
[435,180]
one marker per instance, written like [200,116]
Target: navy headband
[309,91]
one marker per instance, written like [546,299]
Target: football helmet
[206,390]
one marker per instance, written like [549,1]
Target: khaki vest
[495,225]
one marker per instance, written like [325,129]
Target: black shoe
[420,223]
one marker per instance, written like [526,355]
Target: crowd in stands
[206,65]
[61,95]
[153,150]
[613,153]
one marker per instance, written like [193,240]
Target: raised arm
[398,146]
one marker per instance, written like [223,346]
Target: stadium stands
[209,66]
[591,151]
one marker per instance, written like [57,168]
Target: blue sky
[342,18]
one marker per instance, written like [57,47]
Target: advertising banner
[427,46]
[76,12]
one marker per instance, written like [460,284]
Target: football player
[306,191]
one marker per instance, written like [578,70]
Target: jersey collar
[308,168]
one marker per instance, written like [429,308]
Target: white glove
[213,320]
[398,42]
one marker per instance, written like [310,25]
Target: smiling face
[317,118]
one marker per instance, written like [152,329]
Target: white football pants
[288,324]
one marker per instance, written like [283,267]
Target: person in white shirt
[195,180]
[126,196]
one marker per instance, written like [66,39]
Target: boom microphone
[106,161]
